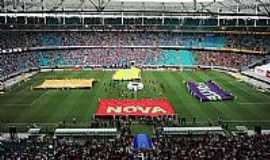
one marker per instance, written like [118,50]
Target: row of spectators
[123,122]
[64,149]
[187,147]
[248,42]
[231,60]
[34,39]
[211,147]
[17,62]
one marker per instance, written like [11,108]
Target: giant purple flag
[208,91]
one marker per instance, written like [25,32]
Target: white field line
[253,103]
[23,104]
[34,101]
[15,104]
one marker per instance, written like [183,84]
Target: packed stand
[13,63]
[118,58]
[62,149]
[251,42]
[187,147]
[231,60]
[10,39]
[211,147]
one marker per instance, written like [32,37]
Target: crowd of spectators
[231,60]
[123,123]
[211,147]
[10,39]
[62,149]
[12,63]
[120,147]
[188,147]
[256,43]
[119,58]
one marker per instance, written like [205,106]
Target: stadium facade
[85,13]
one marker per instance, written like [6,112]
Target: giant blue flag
[142,141]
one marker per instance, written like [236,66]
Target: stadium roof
[208,6]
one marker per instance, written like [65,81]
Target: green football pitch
[23,105]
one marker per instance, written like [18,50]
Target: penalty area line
[37,99]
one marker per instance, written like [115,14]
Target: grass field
[23,105]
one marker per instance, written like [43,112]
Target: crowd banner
[128,107]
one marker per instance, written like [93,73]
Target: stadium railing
[71,132]
[193,130]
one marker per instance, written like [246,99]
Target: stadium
[134,79]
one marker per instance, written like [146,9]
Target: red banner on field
[144,107]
